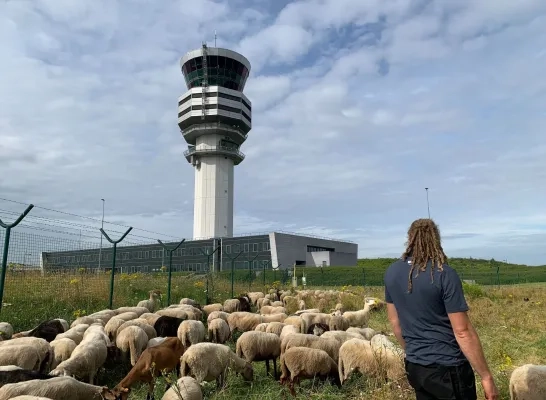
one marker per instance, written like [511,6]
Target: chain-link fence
[59,268]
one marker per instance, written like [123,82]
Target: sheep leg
[150,394]
[266,367]
[291,387]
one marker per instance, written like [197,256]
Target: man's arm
[392,314]
[469,342]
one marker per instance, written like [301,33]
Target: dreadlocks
[424,245]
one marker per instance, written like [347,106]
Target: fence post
[233,269]
[165,248]
[8,227]
[208,271]
[115,243]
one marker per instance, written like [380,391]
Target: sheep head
[248,372]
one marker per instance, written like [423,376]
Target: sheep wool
[137,310]
[210,361]
[218,331]
[218,314]
[275,327]
[261,327]
[232,305]
[142,324]
[61,388]
[259,346]
[24,356]
[152,303]
[213,307]
[6,330]
[45,352]
[155,341]
[367,333]
[288,330]
[528,382]
[330,346]
[341,336]
[62,350]
[150,318]
[191,332]
[187,388]
[132,340]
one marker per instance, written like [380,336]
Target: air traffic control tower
[215,117]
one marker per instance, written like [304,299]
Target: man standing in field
[428,314]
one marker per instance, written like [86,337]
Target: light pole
[428,206]
[101,227]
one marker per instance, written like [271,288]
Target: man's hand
[490,389]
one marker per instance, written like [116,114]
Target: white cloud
[357,106]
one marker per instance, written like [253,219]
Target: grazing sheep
[288,330]
[6,330]
[317,329]
[294,320]
[173,312]
[132,340]
[268,310]
[218,331]
[151,318]
[75,334]
[307,311]
[261,327]
[142,324]
[380,340]
[87,357]
[277,304]
[190,302]
[153,302]
[245,321]
[60,388]
[367,333]
[341,336]
[187,389]
[111,328]
[20,375]
[309,319]
[24,356]
[232,305]
[218,314]
[167,326]
[275,327]
[85,321]
[45,352]
[191,332]
[213,307]
[301,305]
[330,346]
[137,310]
[255,296]
[25,397]
[165,357]
[62,350]
[359,354]
[191,311]
[104,315]
[303,363]
[528,382]
[244,303]
[259,346]
[45,330]
[210,361]
[262,302]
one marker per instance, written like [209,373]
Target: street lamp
[428,206]
[102,227]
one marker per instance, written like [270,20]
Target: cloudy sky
[357,107]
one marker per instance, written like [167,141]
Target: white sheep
[277,304]
[150,318]
[43,348]
[6,330]
[218,314]
[245,321]
[218,331]
[85,321]
[24,356]
[61,388]
[25,397]
[152,303]
[187,388]
[62,350]
[309,319]
[331,346]
[173,312]
[75,334]
[308,311]
[137,310]
[132,340]
[359,318]
[213,307]
[528,382]
[338,323]
[255,296]
[287,330]
[341,336]
[87,357]
[210,361]
[275,327]
[379,341]
[232,305]
[142,324]
[190,302]
[112,327]
[268,310]
[301,362]
[191,332]
[64,323]
[191,311]
[259,346]
[262,302]
[367,333]
[294,320]
[261,327]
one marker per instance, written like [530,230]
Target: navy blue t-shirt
[422,313]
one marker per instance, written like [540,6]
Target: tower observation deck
[214,117]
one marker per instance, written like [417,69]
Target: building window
[228,108]
[255,247]
[266,246]
[228,249]
[246,247]
[255,264]
[183,251]
[246,104]
[236,248]
[146,254]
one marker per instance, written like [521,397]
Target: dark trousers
[439,382]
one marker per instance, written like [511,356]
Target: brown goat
[164,357]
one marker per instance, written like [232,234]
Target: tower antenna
[215,38]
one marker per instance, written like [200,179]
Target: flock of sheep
[53,360]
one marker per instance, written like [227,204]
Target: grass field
[512,330]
